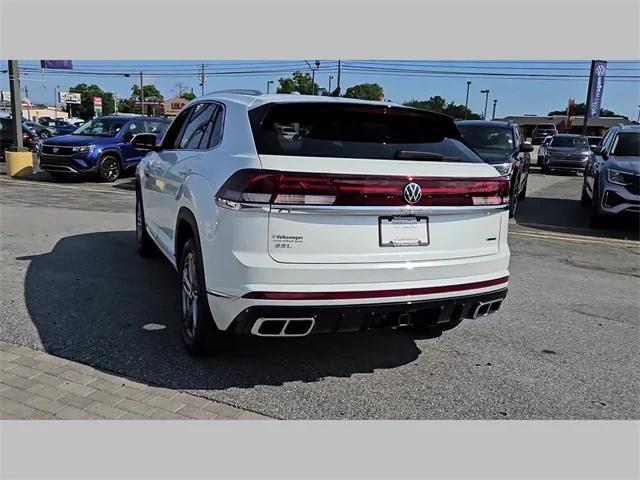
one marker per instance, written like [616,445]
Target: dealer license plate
[403,231]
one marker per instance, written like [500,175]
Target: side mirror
[526,147]
[596,150]
[144,141]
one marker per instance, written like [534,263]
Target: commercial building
[595,126]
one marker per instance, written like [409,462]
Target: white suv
[287,215]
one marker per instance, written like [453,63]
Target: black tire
[523,193]
[596,219]
[544,169]
[513,205]
[146,245]
[109,168]
[199,332]
[585,200]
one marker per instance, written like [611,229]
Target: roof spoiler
[238,91]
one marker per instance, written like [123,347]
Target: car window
[173,132]
[195,128]
[156,127]
[626,144]
[563,141]
[356,131]
[213,135]
[488,137]
[606,141]
[135,127]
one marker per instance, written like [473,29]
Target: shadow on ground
[94,301]
[549,209]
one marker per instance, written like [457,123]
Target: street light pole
[495,101]
[330,78]
[638,120]
[268,85]
[486,101]
[466,102]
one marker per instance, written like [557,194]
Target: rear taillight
[294,188]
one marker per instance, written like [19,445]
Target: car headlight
[504,169]
[84,148]
[614,176]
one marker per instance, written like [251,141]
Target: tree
[299,82]
[439,104]
[188,95]
[581,108]
[151,93]
[87,93]
[365,91]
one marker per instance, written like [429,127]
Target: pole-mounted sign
[595,90]
[68,97]
[97,106]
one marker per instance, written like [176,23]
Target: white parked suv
[372,214]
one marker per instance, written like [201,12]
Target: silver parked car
[612,178]
[564,152]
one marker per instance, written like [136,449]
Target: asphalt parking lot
[564,346]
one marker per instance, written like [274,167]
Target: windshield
[627,145]
[356,131]
[546,126]
[101,127]
[560,141]
[487,137]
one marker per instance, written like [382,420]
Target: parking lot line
[58,185]
[578,239]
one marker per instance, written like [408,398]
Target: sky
[521,87]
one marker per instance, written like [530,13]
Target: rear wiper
[417,155]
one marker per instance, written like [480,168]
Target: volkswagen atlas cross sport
[287,215]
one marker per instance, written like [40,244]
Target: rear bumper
[356,318]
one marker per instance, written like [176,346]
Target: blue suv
[101,146]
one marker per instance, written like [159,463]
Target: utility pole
[201,78]
[486,101]
[495,101]
[55,102]
[26,96]
[16,104]
[466,102]
[141,95]
[115,103]
[338,79]
[330,78]
[638,120]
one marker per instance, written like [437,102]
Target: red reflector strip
[373,293]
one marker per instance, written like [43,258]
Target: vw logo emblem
[412,192]
[601,70]
[55,150]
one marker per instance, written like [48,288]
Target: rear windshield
[357,131]
[627,145]
[546,126]
[560,141]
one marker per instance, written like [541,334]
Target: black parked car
[502,145]
[29,137]
[42,131]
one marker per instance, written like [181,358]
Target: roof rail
[238,91]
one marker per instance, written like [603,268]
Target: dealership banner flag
[596,87]
[57,64]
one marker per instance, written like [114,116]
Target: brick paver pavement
[36,385]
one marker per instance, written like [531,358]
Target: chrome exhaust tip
[283,327]
[486,308]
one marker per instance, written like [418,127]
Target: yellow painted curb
[19,164]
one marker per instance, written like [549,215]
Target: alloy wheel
[189,295]
[110,169]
